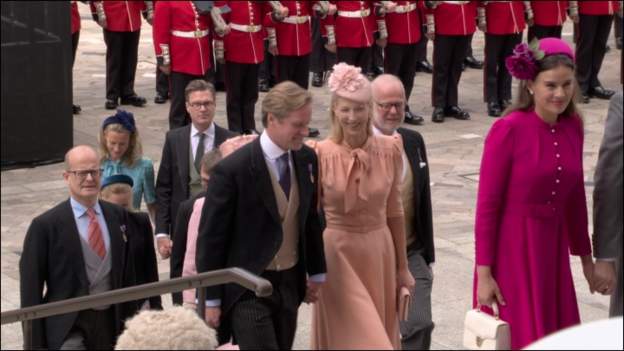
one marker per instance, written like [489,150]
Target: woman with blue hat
[121,150]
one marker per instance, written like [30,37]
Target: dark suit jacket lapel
[220,136]
[412,150]
[303,167]
[260,173]
[182,149]
[71,240]
[118,241]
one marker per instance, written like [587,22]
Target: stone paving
[454,150]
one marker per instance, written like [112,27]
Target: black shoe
[504,104]
[160,99]
[413,119]
[76,109]
[263,86]
[313,132]
[110,104]
[584,99]
[601,93]
[438,115]
[472,62]
[456,112]
[607,48]
[494,109]
[424,66]
[133,100]
[317,79]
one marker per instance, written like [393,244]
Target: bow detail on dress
[356,179]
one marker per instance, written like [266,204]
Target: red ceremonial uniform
[504,17]
[455,17]
[597,8]
[293,34]
[122,16]
[549,13]
[245,42]
[404,23]
[75,18]
[186,33]
[354,23]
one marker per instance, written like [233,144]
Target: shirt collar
[210,132]
[376,131]
[80,209]
[270,149]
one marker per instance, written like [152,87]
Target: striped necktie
[96,241]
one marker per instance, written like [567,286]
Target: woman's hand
[405,278]
[487,288]
[588,271]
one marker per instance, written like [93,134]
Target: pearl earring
[531,92]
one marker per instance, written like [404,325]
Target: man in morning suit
[77,248]
[608,228]
[389,100]
[260,214]
[179,172]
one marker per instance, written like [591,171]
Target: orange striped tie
[96,241]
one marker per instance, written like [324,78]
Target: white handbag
[485,332]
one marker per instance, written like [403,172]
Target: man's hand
[604,277]
[332,10]
[166,69]
[312,292]
[164,247]
[588,271]
[213,316]
[331,48]
[273,50]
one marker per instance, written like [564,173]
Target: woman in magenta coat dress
[531,208]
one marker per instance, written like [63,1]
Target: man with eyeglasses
[78,248]
[388,114]
[179,173]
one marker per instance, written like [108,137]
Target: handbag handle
[494,308]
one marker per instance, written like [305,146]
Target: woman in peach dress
[364,238]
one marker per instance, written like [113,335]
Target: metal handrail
[260,286]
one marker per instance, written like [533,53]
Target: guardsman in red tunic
[503,23]
[548,18]
[242,48]
[182,39]
[352,29]
[75,33]
[595,18]
[400,55]
[451,25]
[121,22]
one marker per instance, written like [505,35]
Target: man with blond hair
[260,214]
[388,114]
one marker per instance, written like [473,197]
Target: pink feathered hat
[524,62]
[554,46]
[348,82]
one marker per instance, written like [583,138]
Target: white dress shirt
[209,140]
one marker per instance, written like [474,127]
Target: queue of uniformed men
[190,36]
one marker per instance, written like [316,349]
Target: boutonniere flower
[311,171]
[123,232]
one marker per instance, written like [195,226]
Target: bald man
[388,114]
[75,249]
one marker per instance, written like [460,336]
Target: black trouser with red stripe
[421,45]
[241,84]
[359,57]
[293,68]
[449,51]
[122,49]
[162,83]
[400,60]
[497,80]
[321,60]
[539,32]
[590,49]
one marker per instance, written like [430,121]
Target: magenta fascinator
[348,82]
[523,63]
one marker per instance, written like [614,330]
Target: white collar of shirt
[81,210]
[404,156]
[208,141]
[271,153]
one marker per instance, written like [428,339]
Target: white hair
[175,328]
